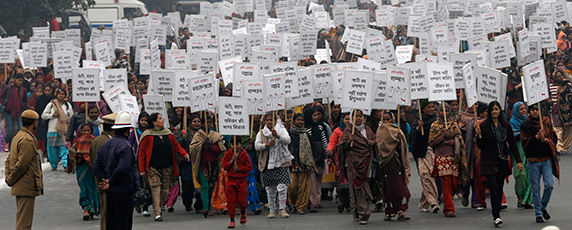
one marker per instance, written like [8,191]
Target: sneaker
[497,222]
[424,210]
[561,152]
[158,218]
[435,208]
[231,225]
[480,208]
[465,201]
[504,206]
[85,215]
[539,220]
[545,214]
[284,214]
[146,214]
[271,215]
[450,214]
[243,218]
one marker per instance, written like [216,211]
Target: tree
[16,15]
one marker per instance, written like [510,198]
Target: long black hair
[142,115]
[501,118]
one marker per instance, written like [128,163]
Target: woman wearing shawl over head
[342,188]
[184,137]
[206,153]
[424,156]
[495,138]
[449,149]
[302,164]
[395,168]
[540,150]
[476,182]
[356,152]
[80,160]
[274,159]
[522,185]
[373,122]
[319,136]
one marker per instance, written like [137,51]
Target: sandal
[402,216]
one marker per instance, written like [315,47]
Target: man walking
[15,101]
[24,170]
[116,169]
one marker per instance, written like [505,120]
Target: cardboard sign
[181,90]
[290,79]
[243,71]
[305,88]
[207,61]
[102,53]
[470,82]
[63,64]
[376,49]
[547,34]
[233,116]
[98,65]
[366,64]
[111,97]
[535,84]
[38,55]
[226,68]
[145,66]
[85,83]
[129,103]
[322,78]
[403,54]
[358,90]
[460,60]
[156,104]
[308,42]
[114,77]
[499,54]
[441,81]
[161,83]
[523,43]
[203,92]
[490,85]
[355,40]
[253,91]
[398,85]
[274,97]
[7,53]
[419,87]
[380,100]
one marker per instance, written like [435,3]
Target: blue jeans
[535,170]
[10,126]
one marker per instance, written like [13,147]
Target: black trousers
[188,192]
[496,184]
[119,210]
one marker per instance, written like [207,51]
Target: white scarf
[277,154]
[360,128]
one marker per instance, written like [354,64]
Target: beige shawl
[388,138]
[195,148]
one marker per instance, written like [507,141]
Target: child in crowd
[237,164]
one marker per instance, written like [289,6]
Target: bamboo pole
[216,119]
[185,119]
[460,100]
[398,116]
[420,116]
[476,118]
[251,125]
[353,126]
[206,122]
[445,115]
[86,111]
[540,114]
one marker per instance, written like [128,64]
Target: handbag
[63,120]
[143,195]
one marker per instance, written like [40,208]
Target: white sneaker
[271,215]
[498,222]
[146,214]
[480,208]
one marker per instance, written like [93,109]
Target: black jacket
[117,162]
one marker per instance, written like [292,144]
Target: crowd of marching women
[457,150]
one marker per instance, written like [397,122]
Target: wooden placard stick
[445,114]
[420,116]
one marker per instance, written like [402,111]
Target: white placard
[233,116]
[308,42]
[161,83]
[380,92]
[358,90]
[355,40]
[419,88]
[111,97]
[305,88]
[243,71]
[203,92]
[253,91]
[85,82]
[114,77]
[470,81]
[441,81]
[403,54]
[226,68]
[181,89]
[274,97]
[63,64]
[490,85]
[129,103]
[156,104]
[38,54]
[145,66]
[460,60]
[366,64]
[499,55]
[322,78]
[102,53]
[207,61]
[7,53]
[398,85]
[535,83]
[290,79]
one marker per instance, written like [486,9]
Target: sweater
[243,163]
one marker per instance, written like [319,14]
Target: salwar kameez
[522,185]
[428,186]
[56,150]
[361,198]
[395,192]
[88,197]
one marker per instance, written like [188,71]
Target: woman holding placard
[561,94]
[58,109]
[274,159]
[522,185]
[319,133]
[449,149]
[302,164]
[342,188]
[356,149]
[495,138]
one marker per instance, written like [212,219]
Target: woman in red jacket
[157,160]
[237,165]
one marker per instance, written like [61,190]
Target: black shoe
[340,209]
[158,218]
[539,220]
[171,209]
[465,201]
[504,206]
[545,214]
[188,209]
[313,211]
[528,206]
[257,211]
[206,213]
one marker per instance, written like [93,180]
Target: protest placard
[358,90]
[290,79]
[145,66]
[470,82]
[63,64]
[102,53]
[398,85]
[38,54]
[129,103]
[181,89]
[380,100]
[441,82]
[111,97]
[226,68]
[114,77]
[403,54]
[355,40]
[419,88]
[546,33]
[274,97]
[460,60]
[376,49]
[499,55]
[98,65]
[7,51]
[366,64]
[253,91]
[490,85]
[305,88]
[161,83]
[322,80]
[233,116]
[85,82]
[535,82]
[308,41]
[207,61]
[203,92]
[156,104]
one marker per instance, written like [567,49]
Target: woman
[157,160]
[253,198]
[522,185]
[134,140]
[447,142]
[207,148]
[79,155]
[561,95]
[34,97]
[274,159]
[302,164]
[495,138]
[335,115]
[42,130]
[424,157]
[395,168]
[319,136]
[342,188]
[55,110]
[476,182]
[356,151]
[540,150]
[184,138]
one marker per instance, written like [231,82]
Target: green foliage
[16,15]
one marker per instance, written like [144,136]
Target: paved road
[59,209]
